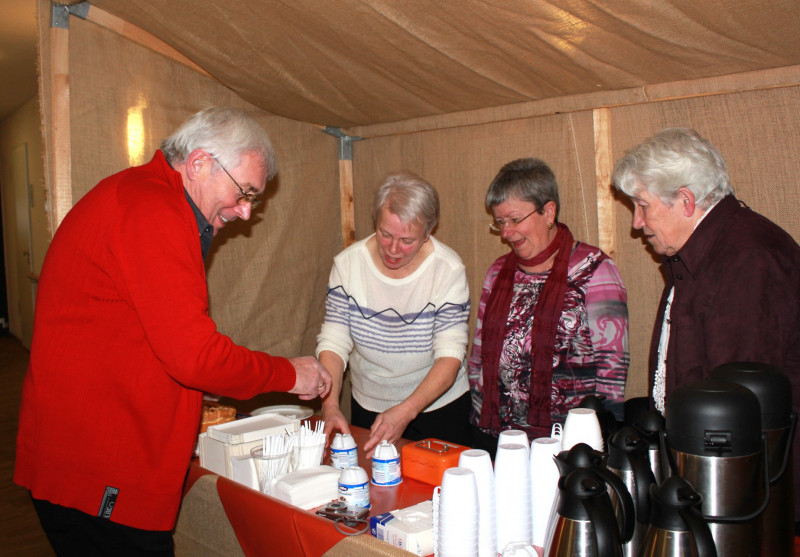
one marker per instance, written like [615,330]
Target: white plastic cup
[582,426]
[386,465]
[309,456]
[344,452]
[544,485]
[457,524]
[480,463]
[513,495]
[510,436]
[354,487]
[269,467]
[519,549]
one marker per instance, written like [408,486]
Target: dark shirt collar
[206,230]
[203,227]
[695,251]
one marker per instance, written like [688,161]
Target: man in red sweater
[124,346]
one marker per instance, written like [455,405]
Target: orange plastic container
[427,460]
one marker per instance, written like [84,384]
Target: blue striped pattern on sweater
[387,330]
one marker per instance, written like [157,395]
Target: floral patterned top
[591,355]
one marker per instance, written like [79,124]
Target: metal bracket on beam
[345,142]
[59,13]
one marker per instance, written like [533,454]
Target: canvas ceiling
[358,62]
[450,90]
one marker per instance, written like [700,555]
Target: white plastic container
[354,487]
[344,452]
[386,465]
[222,442]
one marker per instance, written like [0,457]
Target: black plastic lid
[651,423]
[574,488]
[626,440]
[713,418]
[668,499]
[771,386]
[580,455]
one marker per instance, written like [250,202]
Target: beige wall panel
[755,131]
[20,134]
[267,276]
[461,162]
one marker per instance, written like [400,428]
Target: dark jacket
[737,298]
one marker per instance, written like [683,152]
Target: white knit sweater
[392,330]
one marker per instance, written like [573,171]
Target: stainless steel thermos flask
[713,431]
[778,424]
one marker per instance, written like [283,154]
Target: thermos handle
[642,479]
[625,499]
[787,452]
[666,461]
[604,523]
[703,540]
[751,516]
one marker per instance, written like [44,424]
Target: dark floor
[20,532]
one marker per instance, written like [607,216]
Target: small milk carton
[410,529]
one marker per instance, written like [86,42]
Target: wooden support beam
[60,190]
[346,202]
[604,164]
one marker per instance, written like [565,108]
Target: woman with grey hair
[396,311]
[675,158]
[552,323]
[732,277]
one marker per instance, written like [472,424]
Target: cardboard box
[222,442]
[410,529]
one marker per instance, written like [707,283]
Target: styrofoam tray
[252,428]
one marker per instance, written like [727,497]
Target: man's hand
[313,379]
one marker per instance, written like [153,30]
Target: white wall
[21,139]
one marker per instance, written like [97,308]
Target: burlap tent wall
[755,130]
[267,277]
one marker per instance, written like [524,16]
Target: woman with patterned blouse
[552,323]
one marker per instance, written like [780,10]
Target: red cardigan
[123,347]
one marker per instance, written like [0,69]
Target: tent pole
[604,163]
[346,203]
[60,190]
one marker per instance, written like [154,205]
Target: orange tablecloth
[265,525]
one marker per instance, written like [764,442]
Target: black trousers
[481,440]
[75,533]
[448,423]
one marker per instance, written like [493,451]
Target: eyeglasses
[498,225]
[244,196]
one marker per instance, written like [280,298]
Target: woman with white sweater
[396,311]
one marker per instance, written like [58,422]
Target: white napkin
[308,488]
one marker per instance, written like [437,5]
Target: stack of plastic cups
[456,524]
[480,463]
[513,495]
[511,436]
[582,426]
[544,484]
